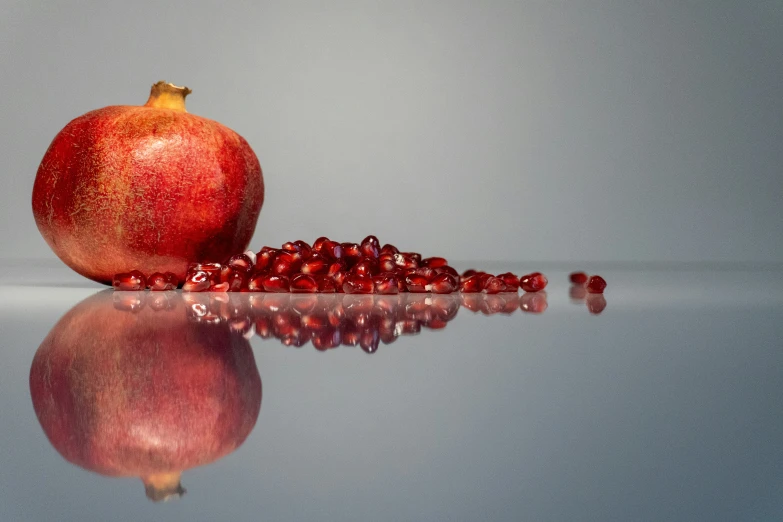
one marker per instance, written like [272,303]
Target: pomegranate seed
[416,283]
[444,284]
[427,273]
[290,246]
[319,243]
[265,258]
[511,280]
[241,263]
[339,280]
[469,272]
[367,266]
[405,261]
[212,269]
[386,284]
[287,263]
[304,248]
[596,303]
[326,284]
[578,278]
[337,266]
[358,284]
[386,262]
[351,254]
[470,285]
[332,250]
[133,280]
[370,247]
[275,283]
[596,285]
[533,302]
[237,281]
[434,262]
[446,269]
[220,287]
[494,285]
[315,264]
[303,283]
[389,249]
[533,282]
[196,281]
[255,283]
[160,282]
[483,277]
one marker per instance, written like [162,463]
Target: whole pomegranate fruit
[151,188]
[146,393]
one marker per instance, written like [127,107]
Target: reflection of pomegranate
[150,188]
[145,394]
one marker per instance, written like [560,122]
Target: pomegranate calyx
[164,95]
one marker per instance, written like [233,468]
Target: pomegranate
[150,187]
[146,394]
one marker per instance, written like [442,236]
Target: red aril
[213,269]
[220,287]
[386,284]
[161,282]
[534,282]
[351,254]
[315,264]
[326,284]
[416,283]
[494,285]
[444,284]
[275,283]
[265,257]
[596,285]
[196,281]
[434,262]
[405,261]
[367,266]
[386,262]
[578,278]
[511,280]
[470,285]
[160,167]
[339,280]
[303,283]
[134,280]
[240,263]
[358,284]
[389,249]
[370,247]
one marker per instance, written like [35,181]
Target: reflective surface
[666,405]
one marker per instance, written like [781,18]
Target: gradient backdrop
[620,130]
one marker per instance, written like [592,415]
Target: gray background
[601,130]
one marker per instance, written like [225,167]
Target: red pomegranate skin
[146,187]
[145,394]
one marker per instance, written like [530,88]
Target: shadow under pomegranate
[147,394]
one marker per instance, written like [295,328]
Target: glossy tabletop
[661,402]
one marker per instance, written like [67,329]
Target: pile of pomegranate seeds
[328,267]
